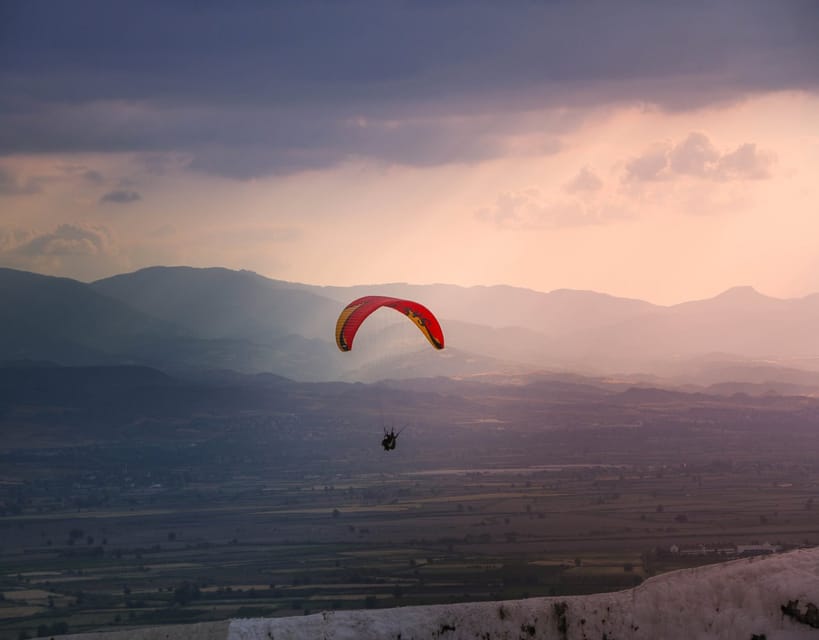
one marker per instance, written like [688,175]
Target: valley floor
[773,598]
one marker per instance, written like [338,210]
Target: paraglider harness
[390,438]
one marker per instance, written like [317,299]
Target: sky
[665,151]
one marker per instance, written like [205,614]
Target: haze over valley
[609,210]
[165,431]
[185,318]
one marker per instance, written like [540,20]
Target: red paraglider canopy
[358,310]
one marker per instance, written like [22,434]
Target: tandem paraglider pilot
[354,314]
[390,439]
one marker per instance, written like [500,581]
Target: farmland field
[268,516]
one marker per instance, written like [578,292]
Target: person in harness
[390,439]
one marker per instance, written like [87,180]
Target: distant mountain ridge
[215,318]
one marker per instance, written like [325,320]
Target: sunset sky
[657,150]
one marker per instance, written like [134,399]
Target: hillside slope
[772,597]
[220,303]
[562,329]
[48,318]
[186,318]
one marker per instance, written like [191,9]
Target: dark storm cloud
[258,87]
[121,196]
[289,144]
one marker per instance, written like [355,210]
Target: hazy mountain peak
[744,296]
[241,320]
[587,293]
[742,292]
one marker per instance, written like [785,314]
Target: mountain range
[183,318]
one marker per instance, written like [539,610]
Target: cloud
[12,185]
[697,157]
[163,231]
[586,181]
[10,239]
[67,240]
[274,87]
[746,161]
[244,142]
[650,166]
[531,209]
[121,196]
[74,250]
[161,164]
[289,146]
[254,235]
[694,156]
[93,177]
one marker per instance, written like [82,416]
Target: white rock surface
[743,599]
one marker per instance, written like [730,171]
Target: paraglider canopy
[354,314]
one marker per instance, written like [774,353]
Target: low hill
[220,303]
[47,318]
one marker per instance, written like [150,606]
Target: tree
[186,592]
[54,629]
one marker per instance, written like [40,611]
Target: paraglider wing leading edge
[354,314]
